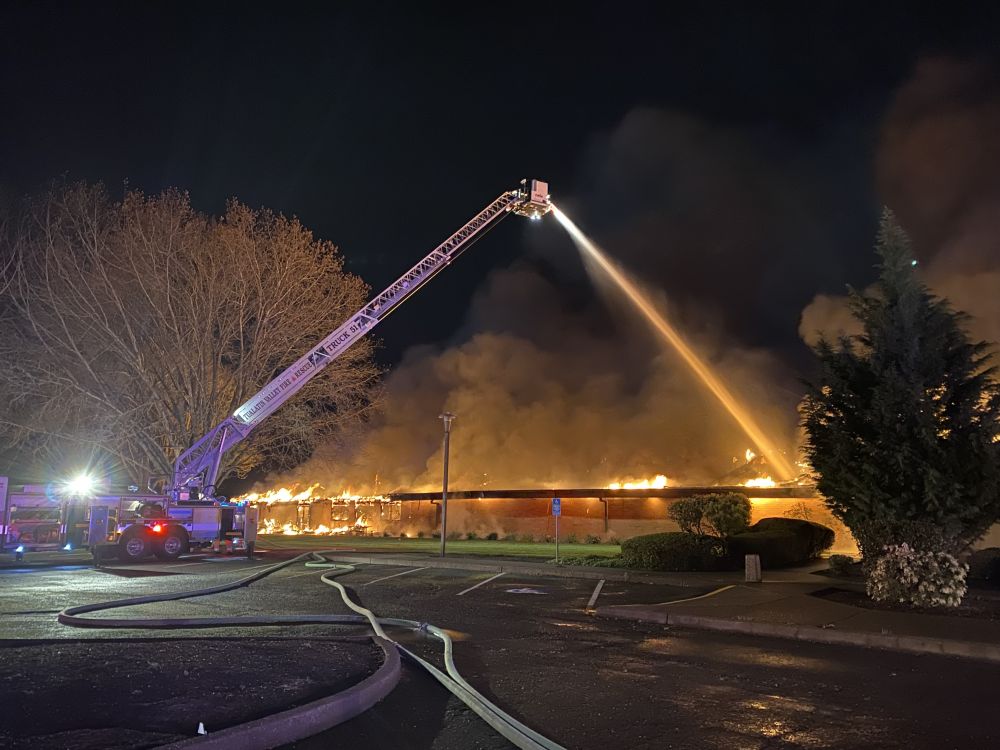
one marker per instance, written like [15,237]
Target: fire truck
[192,513]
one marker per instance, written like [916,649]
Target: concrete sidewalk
[787,610]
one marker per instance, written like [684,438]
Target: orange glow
[656,483]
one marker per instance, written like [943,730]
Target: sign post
[447,418]
[556,512]
[5,496]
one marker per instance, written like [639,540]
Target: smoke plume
[555,382]
[938,168]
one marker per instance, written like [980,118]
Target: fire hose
[257,734]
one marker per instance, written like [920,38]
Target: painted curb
[305,721]
[903,643]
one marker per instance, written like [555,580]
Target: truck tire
[172,544]
[134,545]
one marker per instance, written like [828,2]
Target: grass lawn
[433,546]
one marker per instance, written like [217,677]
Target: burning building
[622,509]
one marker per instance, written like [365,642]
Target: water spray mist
[670,334]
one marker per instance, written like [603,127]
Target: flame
[270,526]
[656,483]
[750,455]
[760,482]
[280,495]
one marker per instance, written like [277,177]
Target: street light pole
[446,417]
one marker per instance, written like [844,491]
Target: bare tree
[133,327]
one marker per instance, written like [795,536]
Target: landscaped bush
[984,565]
[720,514]
[727,513]
[571,539]
[472,536]
[841,565]
[688,513]
[923,579]
[592,539]
[492,536]
[782,541]
[674,550]
[595,561]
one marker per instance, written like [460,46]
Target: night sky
[726,154]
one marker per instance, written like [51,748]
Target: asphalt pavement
[533,645]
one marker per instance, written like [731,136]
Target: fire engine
[192,513]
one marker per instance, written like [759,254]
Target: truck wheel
[134,544]
[172,544]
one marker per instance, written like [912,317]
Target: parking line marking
[394,575]
[481,583]
[597,593]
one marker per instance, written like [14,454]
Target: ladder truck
[192,513]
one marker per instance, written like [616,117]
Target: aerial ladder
[194,514]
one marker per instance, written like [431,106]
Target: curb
[305,721]
[10,564]
[910,644]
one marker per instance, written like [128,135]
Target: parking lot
[531,645]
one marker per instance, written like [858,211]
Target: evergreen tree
[903,427]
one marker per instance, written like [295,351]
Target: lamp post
[447,418]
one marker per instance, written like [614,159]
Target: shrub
[595,561]
[841,565]
[923,579]
[492,536]
[386,534]
[402,535]
[523,538]
[471,536]
[727,513]
[720,514]
[454,536]
[673,550]
[571,539]
[799,510]
[782,541]
[592,539]
[984,565]
[688,513]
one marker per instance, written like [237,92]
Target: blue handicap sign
[556,506]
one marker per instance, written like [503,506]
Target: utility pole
[446,417]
